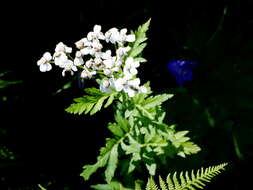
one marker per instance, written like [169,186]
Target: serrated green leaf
[181,134]
[140,36]
[116,130]
[141,32]
[110,142]
[90,169]
[93,91]
[136,51]
[140,59]
[151,168]
[134,159]
[90,103]
[190,148]
[157,100]
[114,185]
[130,149]
[110,100]
[102,187]
[112,164]
[98,105]
[122,122]
[88,108]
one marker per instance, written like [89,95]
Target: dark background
[51,146]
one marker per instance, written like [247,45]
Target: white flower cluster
[117,71]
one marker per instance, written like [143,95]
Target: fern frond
[137,186]
[162,184]
[185,181]
[170,183]
[151,185]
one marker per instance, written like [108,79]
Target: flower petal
[47,56]
[49,67]
[43,67]
[97,28]
[130,38]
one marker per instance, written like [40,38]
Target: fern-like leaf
[162,184]
[137,186]
[185,181]
[91,103]
[151,185]
[138,45]
[156,100]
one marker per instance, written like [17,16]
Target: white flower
[122,51]
[96,33]
[84,42]
[130,68]
[98,64]
[132,87]
[130,62]
[106,55]
[118,63]
[61,47]
[119,84]
[89,63]
[60,58]
[87,50]
[116,68]
[44,62]
[130,38]
[123,37]
[91,48]
[109,63]
[130,91]
[107,72]
[68,66]
[96,45]
[87,74]
[112,35]
[80,44]
[105,86]
[78,59]
[134,83]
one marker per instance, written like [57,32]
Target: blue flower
[181,70]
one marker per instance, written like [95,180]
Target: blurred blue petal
[181,70]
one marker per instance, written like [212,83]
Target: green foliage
[106,156]
[91,103]
[185,180]
[140,136]
[114,185]
[139,45]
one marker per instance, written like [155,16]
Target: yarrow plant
[140,140]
